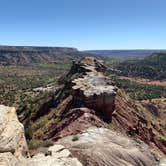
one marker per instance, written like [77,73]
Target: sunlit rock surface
[103,147]
[13,146]
[92,88]
[12,139]
[56,155]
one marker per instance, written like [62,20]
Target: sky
[84,24]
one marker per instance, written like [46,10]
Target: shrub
[75,138]
[34,143]
[47,143]
[28,133]
[41,122]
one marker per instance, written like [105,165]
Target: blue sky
[85,24]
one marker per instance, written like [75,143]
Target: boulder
[12,139]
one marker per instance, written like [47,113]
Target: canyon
[90,122]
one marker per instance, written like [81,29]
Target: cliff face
[92,89]
[13,145]
[12,139]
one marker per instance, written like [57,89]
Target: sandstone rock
[12,137]
[13,146]
[92,89]
[57,156]
[162,162]
[103,147]
[8,159]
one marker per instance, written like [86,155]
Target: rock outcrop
[12,139]
[103,147]
[13,146]
[56,155]
[92,89]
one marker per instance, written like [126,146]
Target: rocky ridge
[93,87]
[85,100]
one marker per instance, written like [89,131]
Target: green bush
[28,133]
[47,143]
[34,143]
[41,122]
[75,138]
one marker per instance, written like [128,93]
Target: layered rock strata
[92,89]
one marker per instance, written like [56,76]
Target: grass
[35,143]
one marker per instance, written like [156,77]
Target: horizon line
[51,46]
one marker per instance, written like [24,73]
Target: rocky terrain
[100,146]
[14,150]
[90,122]
[12,140]
[112,148]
